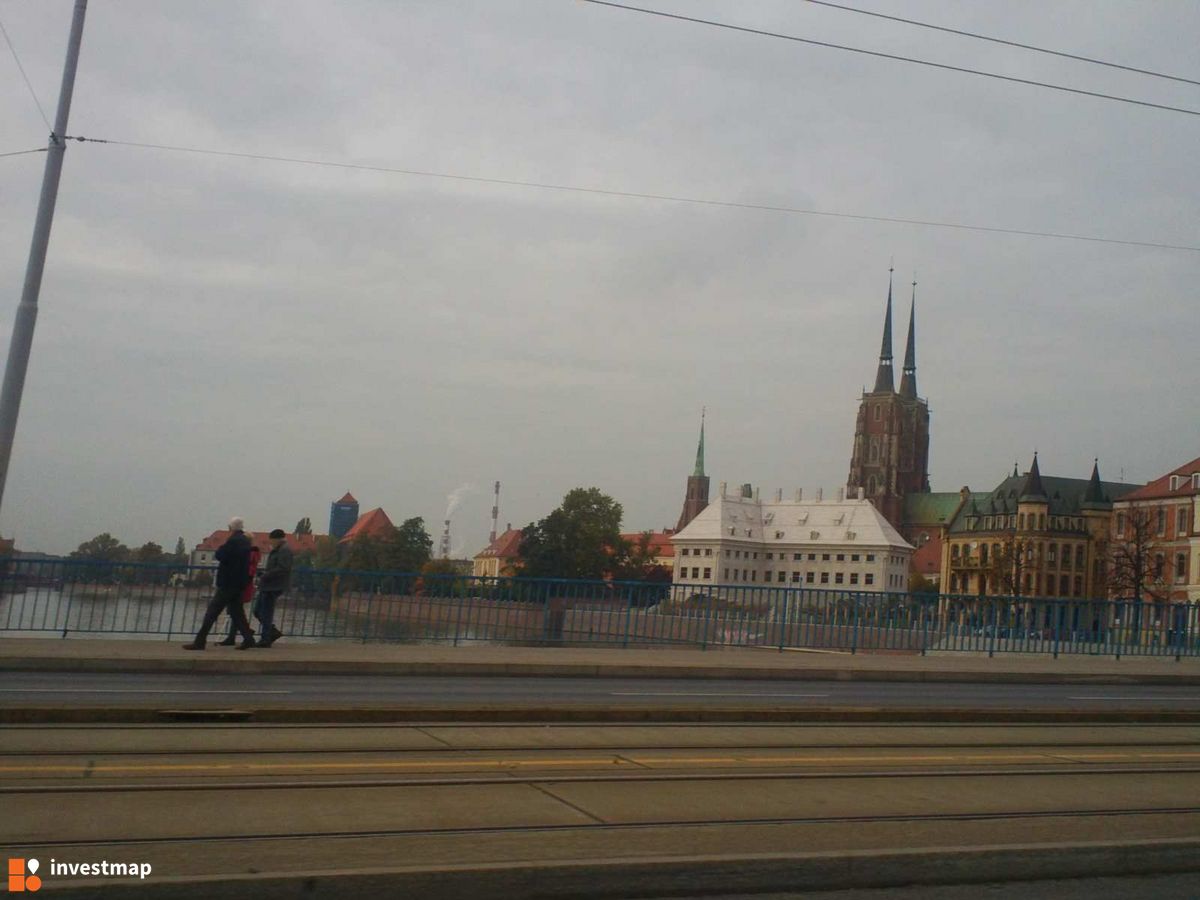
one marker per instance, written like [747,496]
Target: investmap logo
[22,875]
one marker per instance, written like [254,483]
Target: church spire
[1032,489]
[699,471]
[884,382]
[908,380]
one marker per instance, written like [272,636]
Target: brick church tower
[891,439]
[696,498]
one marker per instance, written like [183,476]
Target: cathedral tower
[696,498]
[891,439]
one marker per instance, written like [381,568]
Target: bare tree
[1137,564]
[1007,566]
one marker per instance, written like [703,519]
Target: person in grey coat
[233,574]
[274,579]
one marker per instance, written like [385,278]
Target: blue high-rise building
[342,515]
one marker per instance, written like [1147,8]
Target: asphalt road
[86,689]
[314,802]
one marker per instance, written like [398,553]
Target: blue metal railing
[75,597]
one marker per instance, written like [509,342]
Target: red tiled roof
[506,546]
[928,558]
[1161,487]
[660,542]
[374,523]
[349,498]
[300,543]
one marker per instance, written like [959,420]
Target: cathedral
[890,459]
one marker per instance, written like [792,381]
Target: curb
[342,715]
[191,665]
[683,876]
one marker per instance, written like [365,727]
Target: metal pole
[22,335]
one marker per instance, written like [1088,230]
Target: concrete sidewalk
[346,658]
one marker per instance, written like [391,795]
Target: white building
[815,544]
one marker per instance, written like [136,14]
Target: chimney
[799,494]
[820,494]
[722,488]
[756,495]
[778,495]
[841,494]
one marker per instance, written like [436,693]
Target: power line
[32,93]
[892,56]
[637,195]
[19,152]
[1007,43]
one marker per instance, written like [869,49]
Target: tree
[638,561]
[1006,569]
[304,526]
[580,539]
[180,555]
[149,553]
[1137,563]
[103,548]
[407,548]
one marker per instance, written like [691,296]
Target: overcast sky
[226,336]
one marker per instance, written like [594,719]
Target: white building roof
[816,522]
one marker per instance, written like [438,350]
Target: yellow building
[1032,537]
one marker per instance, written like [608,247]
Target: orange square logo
[20,882]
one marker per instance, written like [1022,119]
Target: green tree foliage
[180,555]
[580,539]
[304,526]
[408,547]
[150,553]
[103,548]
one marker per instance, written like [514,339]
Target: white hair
[237,523]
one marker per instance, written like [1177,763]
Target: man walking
[233,574]
[276,578]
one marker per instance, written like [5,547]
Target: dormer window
[1175,479]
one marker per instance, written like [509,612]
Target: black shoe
[264,645]
[276,634]
[228,642]
[193,646]
[246,645]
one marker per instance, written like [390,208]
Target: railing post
[367,620]
[992,642]
[458,613]
[782,619]
[628,616]
[854,618]
[707,618]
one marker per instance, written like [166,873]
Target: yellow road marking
[625,761]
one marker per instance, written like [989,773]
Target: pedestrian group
[237,567]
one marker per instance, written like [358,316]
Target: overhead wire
[1005,42]
[893,56]
[32,93]
[639,195]
[19,152]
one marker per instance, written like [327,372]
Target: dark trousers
[225,600]
[264,611]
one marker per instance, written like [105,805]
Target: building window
[810,577]
[708,551]
[795,578]
[737,554]
[870,557]
[770,556]
[707,573]
[683,552]
[1041,521]
[824,578]
[838,578]
[782,577]
[1052,554]
[796,557]
[825,557]
[1021,521]
[1161,521]
[812,557]
[1064,585]
[854,557]
[696,572]
[1181,526]
[726,575]
[1078,585]
[954,551]
[876,408]
[754,575]
[767,576]
[841,557]
[854,578]
[983,554]
[1160,563]
[1180,566]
